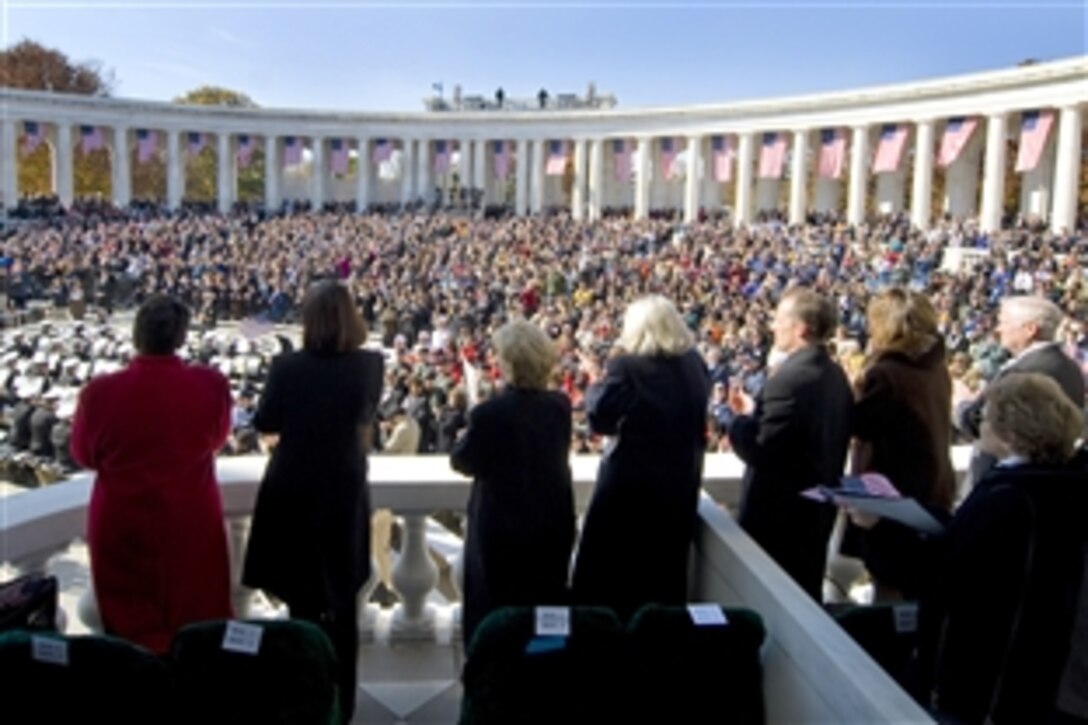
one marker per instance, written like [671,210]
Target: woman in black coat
[998,641]
[521,509]
[641,521]
[310,539]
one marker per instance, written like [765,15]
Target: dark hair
[815,312]
[161,324]
[330,321]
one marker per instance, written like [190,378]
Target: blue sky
[385,55]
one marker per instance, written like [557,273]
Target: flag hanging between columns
[721,152]
[32,136]
[383,149]
[668,157]
[621,160]
[338,156]
[245,150]
[147,142]
[292,151]
[1034,130]
[441,157]
[557,158]
[90,138]
[832,153]
[956,135]
[893,139]
[196,143]
[501,154]
[772,155]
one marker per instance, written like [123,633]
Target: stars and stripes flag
[558,153]
[1034,131]
[772,155]
[621,160]
[90,139]
[832,153]
[244,154]
[956,135]
[441,157]
[338,156]
[32,136]
[196,142]
[147,142]
[292,151]
[889,150]
[721,156]
[668,157]
[383,150]
[501,158]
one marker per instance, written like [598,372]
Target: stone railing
[811,667]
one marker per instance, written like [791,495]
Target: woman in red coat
[155,531]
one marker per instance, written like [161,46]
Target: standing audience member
[158,547]
[795,438]
[902,430]
[310,540]
[652,400]
[521,509]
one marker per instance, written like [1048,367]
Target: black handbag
[29,602]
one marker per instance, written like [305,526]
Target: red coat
[155,526]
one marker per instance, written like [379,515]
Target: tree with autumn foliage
[201,172]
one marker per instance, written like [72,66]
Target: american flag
[441,157]
[90,138]
[196,143]
[32,136]
[338,156]
[832,153]
[1034,130]
[621,160]
[383,149]
[292,151]
[893,139]
[501,156]
[146,144]
[721,155]
[956,135]
[668,156]
[245,150]
[557,158]
[772,155]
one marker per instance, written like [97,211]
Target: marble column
[423,171]
[273,167]
[859,175]
[465,167]
[742,214]
[577,192]
[799,178]
[318,172]
[480,174]
[921,193]
[364,171]
[1068,170]
[536,182]
[224,167]
[642,177]
[407,161]
[692,183]
[993,175]
[521,194]
[596,178]
[65,181]
[9,162]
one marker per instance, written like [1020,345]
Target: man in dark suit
[795,438]
[1028,328]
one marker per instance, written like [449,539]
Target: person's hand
[860,519]
[739,401]
[961,393]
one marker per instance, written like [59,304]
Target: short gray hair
[652,326]
[1040,311]
[526,355]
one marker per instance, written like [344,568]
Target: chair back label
[242,637]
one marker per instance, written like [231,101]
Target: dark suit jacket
[310,539]
[1049,361]
[796,439]
[521,509]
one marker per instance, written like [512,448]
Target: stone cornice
[1056,83]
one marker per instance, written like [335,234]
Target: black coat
[797,438]
[310,539]
[999,622]
[521,510]
[641,521]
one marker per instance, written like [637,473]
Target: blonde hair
[902,321]
[1032,415]
[652,326]
[526,356]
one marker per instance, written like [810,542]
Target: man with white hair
[1028,328]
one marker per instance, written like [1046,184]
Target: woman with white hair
[521,509]
[653,401]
